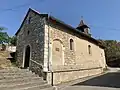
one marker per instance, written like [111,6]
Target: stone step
[40,87]
[17,81]
[23,83]
[21,79]
[14,70]
[18,74]
[15,77]
[22,86]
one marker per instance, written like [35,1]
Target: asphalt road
[108,81]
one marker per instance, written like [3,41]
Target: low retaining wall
[36,67]
[57,77]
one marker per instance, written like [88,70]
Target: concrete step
[22,85]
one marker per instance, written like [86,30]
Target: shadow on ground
[106,80]
[12,60]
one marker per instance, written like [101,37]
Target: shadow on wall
[106,80]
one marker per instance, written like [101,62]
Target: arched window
[89,49]
[71,44]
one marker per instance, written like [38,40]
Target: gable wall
[36,41]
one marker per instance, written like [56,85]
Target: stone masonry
[58,52]
[33,35]
[77,63]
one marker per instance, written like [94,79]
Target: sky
[102,16]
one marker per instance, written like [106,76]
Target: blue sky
[102,16]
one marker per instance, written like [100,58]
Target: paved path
[89,88]
[108,81]
[114,69]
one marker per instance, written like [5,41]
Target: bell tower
[84,28]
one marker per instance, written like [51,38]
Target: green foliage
[112,50]
[2,28]
[3,35]
[12,40]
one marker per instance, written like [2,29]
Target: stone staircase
[21,79]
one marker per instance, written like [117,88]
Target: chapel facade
[56,51]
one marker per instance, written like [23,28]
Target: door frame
[24,50]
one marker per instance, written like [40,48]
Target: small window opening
[89,49]
[29,20]
[71,44]
[28,32]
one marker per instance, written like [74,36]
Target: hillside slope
[4,61]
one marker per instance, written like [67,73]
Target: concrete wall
[78,62]
[35,39]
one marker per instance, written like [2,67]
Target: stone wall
[32,34]
[69,75]
[50,51]
[76,60]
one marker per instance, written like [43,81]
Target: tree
[112,51]
[12,40]
[4,38]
